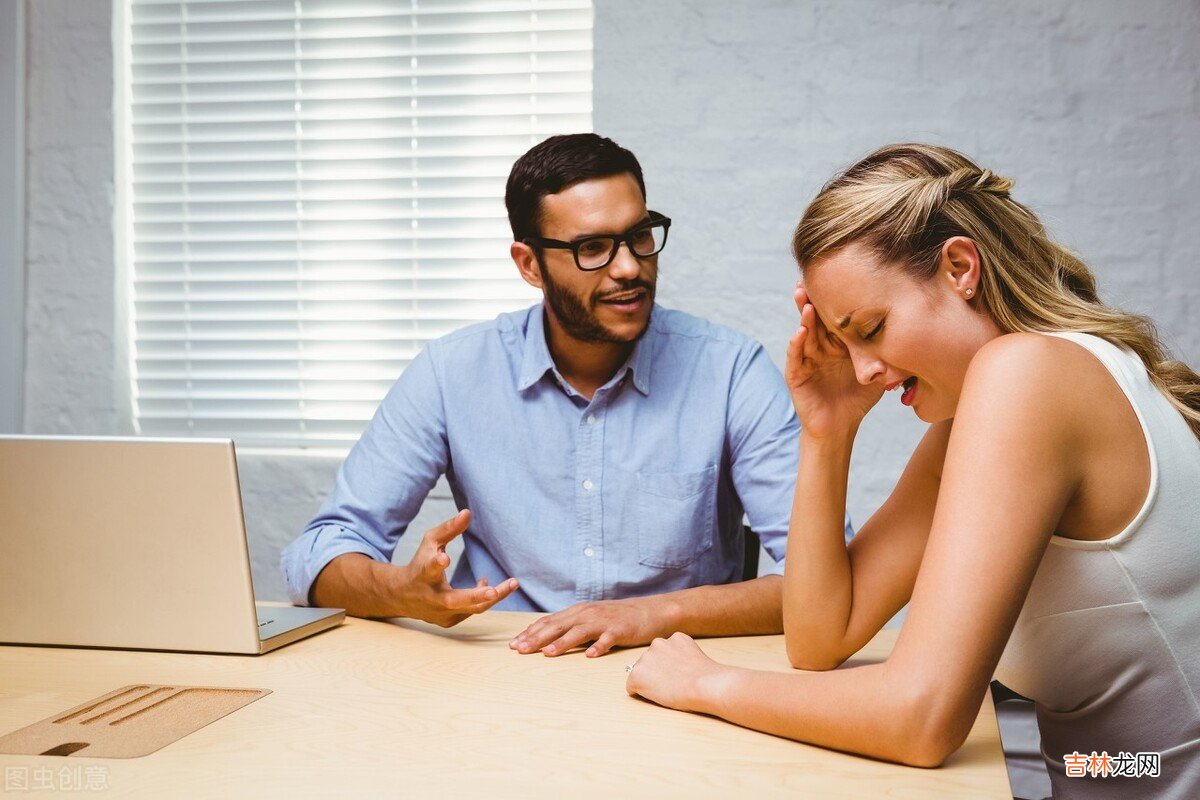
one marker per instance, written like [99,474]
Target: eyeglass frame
[617,238]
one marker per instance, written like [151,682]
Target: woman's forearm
[866,710]
[817,581]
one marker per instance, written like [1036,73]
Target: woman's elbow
[814,647]
[805,656]
[931,736]
[927,752]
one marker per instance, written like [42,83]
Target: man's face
[611,304]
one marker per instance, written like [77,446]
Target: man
[606,447]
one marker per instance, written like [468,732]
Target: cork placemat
[128,722]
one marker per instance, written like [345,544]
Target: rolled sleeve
[382,483]
[303,560]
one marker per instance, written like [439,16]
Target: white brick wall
[738,112]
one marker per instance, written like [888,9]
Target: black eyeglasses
[597,252]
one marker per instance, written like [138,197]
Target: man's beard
[579,321]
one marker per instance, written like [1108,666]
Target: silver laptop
[132,543]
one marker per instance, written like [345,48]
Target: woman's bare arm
[836,597]
[1013,463]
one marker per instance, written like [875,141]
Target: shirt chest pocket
[674,516]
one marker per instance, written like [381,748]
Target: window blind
[317,191]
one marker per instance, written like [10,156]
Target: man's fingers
[602,645]
[479,608]
[503,591]
[443,534]
[433,569]
[486,596]
[431,554]
[573,638]
[540,634]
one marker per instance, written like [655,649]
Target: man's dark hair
[559,163]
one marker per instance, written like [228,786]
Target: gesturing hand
[820,375]
[422,588]
[604,623]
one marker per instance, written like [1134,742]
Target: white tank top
[1107,644]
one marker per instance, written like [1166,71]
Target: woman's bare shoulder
[1046,384]
[1032,361]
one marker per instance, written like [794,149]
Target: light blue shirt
[640,491]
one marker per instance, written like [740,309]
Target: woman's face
[913,336]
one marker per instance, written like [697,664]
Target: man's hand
[605,623]
[422,588]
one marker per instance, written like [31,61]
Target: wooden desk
[404,709]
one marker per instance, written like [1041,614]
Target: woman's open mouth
[910,390]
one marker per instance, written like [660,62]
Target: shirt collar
[537,353]
[537,360]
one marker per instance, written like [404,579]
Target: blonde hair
[905,200]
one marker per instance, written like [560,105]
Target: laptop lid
[124,542]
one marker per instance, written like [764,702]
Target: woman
[1046,528]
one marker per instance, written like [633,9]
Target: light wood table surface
[403,709]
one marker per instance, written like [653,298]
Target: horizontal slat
[334,189]
[395,210]
[428,283]
[304,229]
[448,30]
[174,12]
[505,137]
[399,332]
[291,68]
[294,368]
[313,293]
[336,437]
[465,90]
[272,266]
[422,252]
[266,425]
[352,24]
[349,128]
[486,13]
[364,46]
[334,270]
[327,312]
[432,112]
[315,297]
[310,170]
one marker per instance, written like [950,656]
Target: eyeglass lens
[646,241]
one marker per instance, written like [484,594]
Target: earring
[969,292]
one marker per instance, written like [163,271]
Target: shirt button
[589,552]
[591,419]
[588,485]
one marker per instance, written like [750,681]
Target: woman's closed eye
[874,332]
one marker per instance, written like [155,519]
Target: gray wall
[738,111]
[12,211]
